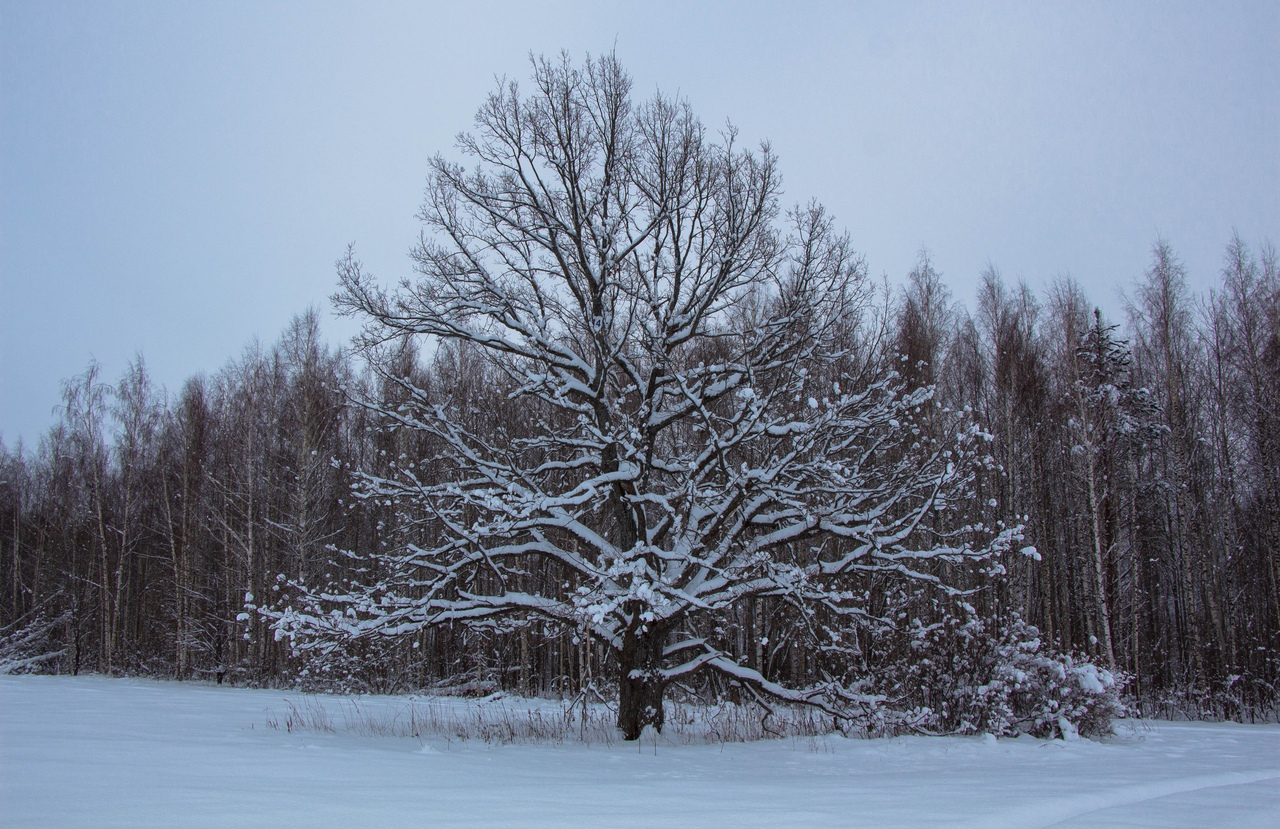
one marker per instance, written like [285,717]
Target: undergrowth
[494,722]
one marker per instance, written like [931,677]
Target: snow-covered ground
[90,751]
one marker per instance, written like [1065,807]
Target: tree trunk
[640,683]
[17,565]
[525,673]
[1101,598]
[106,617]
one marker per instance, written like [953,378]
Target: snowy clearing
[90,751]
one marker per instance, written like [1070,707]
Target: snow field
[91,751]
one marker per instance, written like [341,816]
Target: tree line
[145,530]
[1144,457]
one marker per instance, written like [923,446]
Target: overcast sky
[177,178]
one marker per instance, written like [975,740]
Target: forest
[1114,499]
[1145,457]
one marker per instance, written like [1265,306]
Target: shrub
[969,675]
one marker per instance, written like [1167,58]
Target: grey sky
[175,179]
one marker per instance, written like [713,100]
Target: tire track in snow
[1045,814]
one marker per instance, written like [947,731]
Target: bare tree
[675,434]
[86,400]
[1166,353]
[185,444]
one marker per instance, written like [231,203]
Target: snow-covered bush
[972,675]
[349,667]
[27,644]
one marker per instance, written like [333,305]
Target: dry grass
[534,722]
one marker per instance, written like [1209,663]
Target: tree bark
[1101,598]
[640,683]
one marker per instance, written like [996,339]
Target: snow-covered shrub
[970,675]
[348,667]
[27,644]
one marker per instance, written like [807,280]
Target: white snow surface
[92,751]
